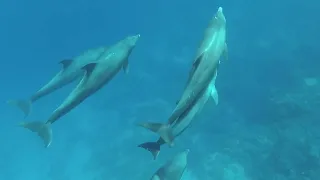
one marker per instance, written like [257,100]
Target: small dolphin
[71,70]
[96,76]
[200,86]
[173,169]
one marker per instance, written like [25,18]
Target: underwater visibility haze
[160,90]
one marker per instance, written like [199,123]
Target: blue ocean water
[264,128]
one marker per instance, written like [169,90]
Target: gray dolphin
[200,86]
[96,76]
[71,70]
[173,169]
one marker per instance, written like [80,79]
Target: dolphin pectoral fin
[152,147]
[42,129]
[126,67]
[164,130]
[66,63]
[155,177]
[214,95]
[225,52]
[89,68]
[24,105]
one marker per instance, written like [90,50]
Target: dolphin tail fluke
[152,147]
[24,105]
[164,130]
[42,129]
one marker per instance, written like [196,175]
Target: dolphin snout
[220,16]
[136,37]
[133,39]
[187,151]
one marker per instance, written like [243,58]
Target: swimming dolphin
[71,70]
[199,88]
[173,169]
[97,74]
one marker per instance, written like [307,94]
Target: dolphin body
[199,88]
[173,169]
[71,70]
[97,74]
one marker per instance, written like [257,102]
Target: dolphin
[71,70]
[199,87]
[173,169]
[97,74]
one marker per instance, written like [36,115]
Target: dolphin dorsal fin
[197,61]
[66,63]
[195,65]
[89,68]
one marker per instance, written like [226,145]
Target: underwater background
[266,126]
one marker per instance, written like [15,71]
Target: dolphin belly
[71,70]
